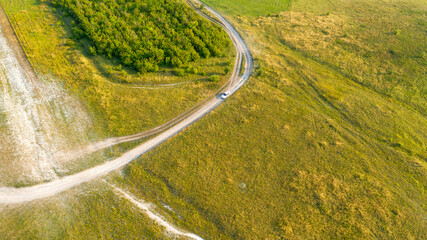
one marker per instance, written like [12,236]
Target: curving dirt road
[19,195]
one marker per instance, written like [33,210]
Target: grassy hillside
[322,143]
[92,212]
[378,45]
[249,7]
[307,150]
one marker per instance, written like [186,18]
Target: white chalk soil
[35,123]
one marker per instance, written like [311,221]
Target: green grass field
[306,150]
[326,141]
[249,7]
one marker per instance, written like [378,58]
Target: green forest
[144,34]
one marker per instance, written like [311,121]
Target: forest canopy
[145,34]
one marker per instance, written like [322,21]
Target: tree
[144,34]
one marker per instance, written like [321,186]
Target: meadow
[314,146]
[325,141]
[92,212]
[249,7]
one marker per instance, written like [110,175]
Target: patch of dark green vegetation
[145,34]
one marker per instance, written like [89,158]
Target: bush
[179,72]
[227,69]
[214,78]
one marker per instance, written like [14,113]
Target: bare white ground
[146,207]
[33,120]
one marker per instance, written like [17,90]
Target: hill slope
[307,150]
[311,148]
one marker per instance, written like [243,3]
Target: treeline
[145,34]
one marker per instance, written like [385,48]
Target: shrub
[214,78]
[179,72]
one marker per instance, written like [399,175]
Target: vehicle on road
[225,95]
